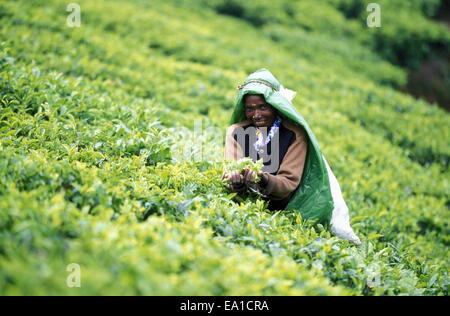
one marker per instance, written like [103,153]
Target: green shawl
[313,196]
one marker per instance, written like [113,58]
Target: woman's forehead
[251,99]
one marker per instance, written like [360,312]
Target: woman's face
[258,111]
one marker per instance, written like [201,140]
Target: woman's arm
[233,150]
[279,186]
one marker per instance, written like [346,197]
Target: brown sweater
[293,149]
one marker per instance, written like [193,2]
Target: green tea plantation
[112,126]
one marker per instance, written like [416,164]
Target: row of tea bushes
[89,119]
[407,36]
[126,257]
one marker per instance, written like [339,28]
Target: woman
[277,137]
[296,176]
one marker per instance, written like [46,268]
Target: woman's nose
[257,114]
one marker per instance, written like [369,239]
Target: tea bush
[101,163]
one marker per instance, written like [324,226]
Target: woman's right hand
[236,178]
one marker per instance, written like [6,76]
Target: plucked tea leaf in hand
[245,163]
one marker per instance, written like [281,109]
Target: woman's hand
[236,178]
[249,176]
[236,181]
[264,179]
